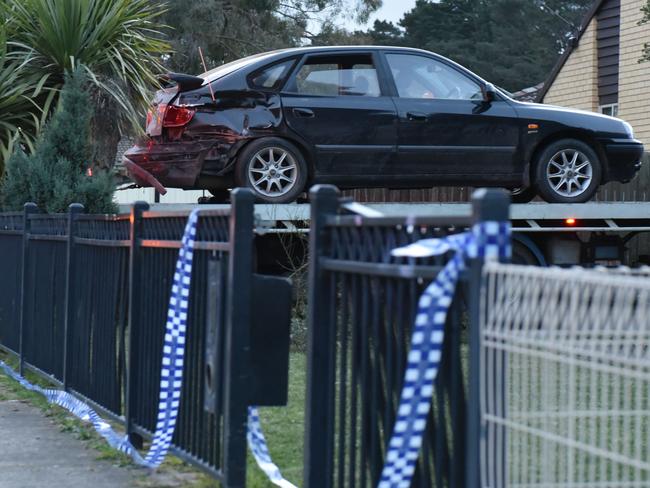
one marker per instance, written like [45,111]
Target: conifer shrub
[60,170]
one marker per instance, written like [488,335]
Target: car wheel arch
[582,136]
[305,153]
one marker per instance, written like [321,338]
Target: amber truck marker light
[570,221]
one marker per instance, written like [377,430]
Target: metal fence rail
[83,302]
[362,305]
[11,246]
[200,437]
[98,289]
[566,378]
[43,292]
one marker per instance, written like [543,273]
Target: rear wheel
[523,195]
[568,171]
[273,168]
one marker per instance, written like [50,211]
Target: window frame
[614,106]
[449,64]
[290,87]
[277,86]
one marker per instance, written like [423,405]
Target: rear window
[226,69]
[271,76]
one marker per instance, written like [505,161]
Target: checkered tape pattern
[171,372]
[171,375]
[486,240]
[82,411]
[171,380]
[260,451]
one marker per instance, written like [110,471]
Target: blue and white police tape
[81,410]
[171,371]
[257,445]
[171,374]
[171,379]
[488,240]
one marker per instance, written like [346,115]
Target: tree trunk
[104,131]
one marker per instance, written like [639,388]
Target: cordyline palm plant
[117,42]
[23,102]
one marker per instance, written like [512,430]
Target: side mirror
[489,93]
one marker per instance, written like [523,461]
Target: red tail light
[176,116]
[168,116]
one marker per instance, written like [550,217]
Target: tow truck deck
[560,234]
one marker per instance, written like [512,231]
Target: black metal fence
[362,303]
[83,301]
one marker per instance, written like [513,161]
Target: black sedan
[363,117]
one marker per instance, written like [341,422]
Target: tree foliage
[512,43]
[23,102]
[230,29]
[56,173]
[117,42]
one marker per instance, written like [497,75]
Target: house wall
[576,85]
[634,77]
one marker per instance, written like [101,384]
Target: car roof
[254,62]
[260,59]
[334,49]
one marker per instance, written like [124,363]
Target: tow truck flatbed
[530,217]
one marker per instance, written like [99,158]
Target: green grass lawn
[282,426]
[284,430]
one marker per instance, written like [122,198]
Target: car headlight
[628,130]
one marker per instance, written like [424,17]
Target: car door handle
[416,116]
[303,112]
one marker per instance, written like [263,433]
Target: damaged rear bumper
[141,176]
[161,165]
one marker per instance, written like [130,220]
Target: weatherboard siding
[634,79]
[576,85]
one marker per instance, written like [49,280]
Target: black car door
[337,104]
[446,129]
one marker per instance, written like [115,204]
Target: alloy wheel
[569,173]
[273,171]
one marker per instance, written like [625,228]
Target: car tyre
[568,171]
[523,195]
[273,168]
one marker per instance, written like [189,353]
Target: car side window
[269,77]
[348,75]
[423,77]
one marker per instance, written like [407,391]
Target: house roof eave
[589,16]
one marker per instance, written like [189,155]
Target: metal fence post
[73,211]
[487,205]
[319,415]
[28,209]
[130,397]
[237,337]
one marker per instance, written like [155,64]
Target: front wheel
[273,168]
[568,171]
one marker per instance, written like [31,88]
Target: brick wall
[577,83]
